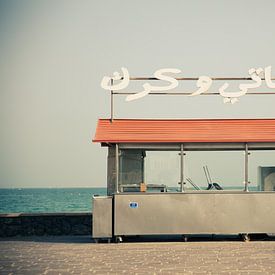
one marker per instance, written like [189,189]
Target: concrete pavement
[79,255]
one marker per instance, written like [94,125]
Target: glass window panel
[131,170]
[162,168]
[226,168]
[261,170]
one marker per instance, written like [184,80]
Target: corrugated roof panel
[191,130]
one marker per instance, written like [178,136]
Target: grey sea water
[41,200]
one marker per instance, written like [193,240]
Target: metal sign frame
[164,93]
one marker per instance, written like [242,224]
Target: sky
[53,55]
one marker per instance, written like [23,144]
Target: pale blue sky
[53,55]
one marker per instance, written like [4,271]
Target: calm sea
[39,200]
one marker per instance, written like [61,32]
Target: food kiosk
[139,204]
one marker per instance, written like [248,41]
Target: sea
[53,200]
[44,200]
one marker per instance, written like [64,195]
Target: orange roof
[186,130]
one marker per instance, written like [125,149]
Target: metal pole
[246,168]
[112,102]
[189,93]
[117,168]
[196,78]
[182,168]
[208,173]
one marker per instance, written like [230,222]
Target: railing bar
[196,78]
[187,93]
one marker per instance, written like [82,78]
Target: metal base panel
[102,217]
[194,213]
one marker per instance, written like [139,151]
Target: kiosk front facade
[150,191]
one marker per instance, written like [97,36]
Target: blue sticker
[133,205]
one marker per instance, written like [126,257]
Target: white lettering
[204,83]
[116,76]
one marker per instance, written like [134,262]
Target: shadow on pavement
[142,239]
[51,239]
[198,238]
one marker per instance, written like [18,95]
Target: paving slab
[80,255]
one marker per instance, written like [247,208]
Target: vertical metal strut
[117,168]
[182,168]
[112,102]
[246,168]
